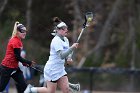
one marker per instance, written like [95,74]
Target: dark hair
[58,24]
[56,21]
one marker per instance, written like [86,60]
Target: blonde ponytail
[15,29]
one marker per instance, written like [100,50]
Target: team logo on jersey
[65,47]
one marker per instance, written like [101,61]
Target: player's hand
[25,64]
[75,45]
[33,63]
[69,61]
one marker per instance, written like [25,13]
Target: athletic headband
[21,28]
[61,25]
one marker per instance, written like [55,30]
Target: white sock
[34,89]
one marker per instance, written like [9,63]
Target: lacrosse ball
[89,19]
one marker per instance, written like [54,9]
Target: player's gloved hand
[25,64]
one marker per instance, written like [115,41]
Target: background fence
[106,79]
[110,80]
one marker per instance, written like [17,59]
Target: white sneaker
[28,89]
[74,87]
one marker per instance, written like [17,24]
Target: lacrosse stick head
[88,19]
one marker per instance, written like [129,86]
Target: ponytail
[56,21]
[58,24]
[15,29]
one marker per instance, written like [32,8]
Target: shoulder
[66,39]
[15,41]
[56,39]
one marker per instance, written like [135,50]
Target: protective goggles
[21,28]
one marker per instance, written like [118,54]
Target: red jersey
[10,59]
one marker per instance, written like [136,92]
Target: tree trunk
[3,6]
[77,20]
[28,15]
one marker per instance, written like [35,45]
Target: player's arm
[22,60]
[64,54]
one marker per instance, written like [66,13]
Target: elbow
[18,58]
[62,57]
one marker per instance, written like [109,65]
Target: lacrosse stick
[88,20]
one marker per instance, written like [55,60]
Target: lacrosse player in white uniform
[54,70]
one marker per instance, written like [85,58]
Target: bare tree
[2,6]
[28,14]
[77,18]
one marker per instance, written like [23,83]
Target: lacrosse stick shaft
[80,35]
[79,38]
[37,69]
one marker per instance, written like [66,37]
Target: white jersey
[54,68]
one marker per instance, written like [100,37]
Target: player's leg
[63,84]
[4,77]
[51,88]
[20,81]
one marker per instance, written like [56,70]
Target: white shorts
[53,75]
